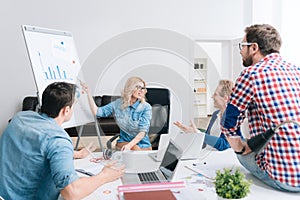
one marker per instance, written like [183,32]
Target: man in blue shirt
[36,154]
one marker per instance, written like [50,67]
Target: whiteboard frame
[86,115]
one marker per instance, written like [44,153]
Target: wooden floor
[87,140]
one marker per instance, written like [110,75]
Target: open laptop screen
[170,160]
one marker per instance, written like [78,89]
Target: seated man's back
[32,143]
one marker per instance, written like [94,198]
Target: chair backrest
[30,103]
[98,100]
[159,99]
[106,99]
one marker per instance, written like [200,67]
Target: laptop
[191,143]
[164,173]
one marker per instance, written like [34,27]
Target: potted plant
[231,184]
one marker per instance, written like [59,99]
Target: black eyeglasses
[241,44]
[138,87]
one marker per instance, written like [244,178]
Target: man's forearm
[82,187]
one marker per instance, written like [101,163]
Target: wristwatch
[242,151]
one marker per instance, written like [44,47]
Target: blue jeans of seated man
[248,161]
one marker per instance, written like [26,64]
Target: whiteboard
[53,57]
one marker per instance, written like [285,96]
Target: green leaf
[231,184]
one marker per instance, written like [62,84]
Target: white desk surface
[197,187]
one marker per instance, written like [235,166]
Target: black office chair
[30,103]
[107,125]
[159,99]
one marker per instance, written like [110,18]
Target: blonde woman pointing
[132,114]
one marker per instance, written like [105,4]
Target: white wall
[94,22]
[163,58]
[290,31]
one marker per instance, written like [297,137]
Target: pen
[196,164]
[84,172]
[88,149]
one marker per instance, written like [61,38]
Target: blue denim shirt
[131,120]
[36,158]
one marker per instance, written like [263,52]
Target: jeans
[248,161]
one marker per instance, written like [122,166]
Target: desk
[209,161]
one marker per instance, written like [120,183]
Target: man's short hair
[56,96]
[266,37]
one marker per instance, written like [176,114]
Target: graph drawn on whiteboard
[53,58]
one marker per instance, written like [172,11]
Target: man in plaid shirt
[268,90]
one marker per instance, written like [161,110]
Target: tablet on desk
[191,143]
[162,146]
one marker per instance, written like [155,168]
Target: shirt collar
[135,105]
[267,58]
[271,56]
[47,117]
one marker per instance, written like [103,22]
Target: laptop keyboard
[149,177]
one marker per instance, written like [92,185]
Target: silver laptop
[164,173]
[191,143]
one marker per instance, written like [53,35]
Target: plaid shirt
[270,93]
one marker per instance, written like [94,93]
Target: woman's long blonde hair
[129,88]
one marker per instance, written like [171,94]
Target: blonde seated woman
[132,114]
[213,135]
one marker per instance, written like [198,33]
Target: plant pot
[221,198]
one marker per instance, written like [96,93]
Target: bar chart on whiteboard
[53,57]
